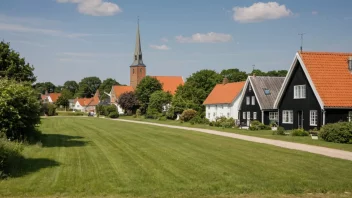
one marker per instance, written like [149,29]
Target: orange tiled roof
[224,93]
[54,96]
[331,77]
[170,83]
[120,89]
[89,101]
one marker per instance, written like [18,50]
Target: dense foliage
[128,102]
[340,132]
[160,100]
[223,122]
[9,152]
[106,86]
[299,132]
[48,109]
[88,86]
[63,99]
[108,111]
[12,66]
[144,90]
[43,87]
[256,125]
[187,115]
[19,109]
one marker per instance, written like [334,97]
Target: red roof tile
[224,93]
[119,89]
[170,83]
[54,96]
[331,77]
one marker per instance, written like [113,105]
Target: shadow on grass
[59,140]
[22,166]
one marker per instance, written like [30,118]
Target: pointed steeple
[137,58]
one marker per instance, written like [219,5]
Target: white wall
[219,110]
[78,107]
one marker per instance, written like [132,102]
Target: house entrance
[300,119]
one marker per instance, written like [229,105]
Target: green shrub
[152,113]
[70,113]
[340,132]
[279,131]
[256,125]
[138,113]
[188,114]
[221,122]
[299,132]
[114,114]
[163,118]
[9,152]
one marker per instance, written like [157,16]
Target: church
[138,70]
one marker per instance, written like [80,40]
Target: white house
[223,101]
[87,104]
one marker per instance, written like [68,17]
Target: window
[249,87]
[140,70]
[299,91]
[287,116]
[350,116]
[266,91]
[313,118]
[208,115]
[253,100]
[244,115]
[248,115]
[254,115]
[222,106]
[248,100]
[132,70]
[273,115]
[228,115]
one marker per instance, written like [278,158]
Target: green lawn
[92,157]
[264,134]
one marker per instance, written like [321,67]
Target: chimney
[225,81]
[253,74]
[350,63]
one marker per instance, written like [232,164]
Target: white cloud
[165,40]
[260,12]
[94,7]
[28,43]
[210,37]
[160,47]
[314,12]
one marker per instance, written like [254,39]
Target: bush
[256,125]
[9,151]
[187,115]
[70,113]
[110,109]
[114,115]
[138,113]
[340,132]
[170,114]
[152,114]
[163,118]
[279,131]
[299,132]
[221,122]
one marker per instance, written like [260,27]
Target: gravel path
[289,145]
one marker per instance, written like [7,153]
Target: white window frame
[228,114]
[299,91]
[313,117]
[254,115]
[248,100]
[248,115]
[274,115]
[350,116]
[289,114]
[253,100]
[244,115]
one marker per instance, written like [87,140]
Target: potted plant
[273,125]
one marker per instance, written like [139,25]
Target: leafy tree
[88,86]
[158,99]
[13,66]
[128,101]
[19,109]
[106,87]
[279,73]
[258,72]
[145,88]
[63,99]
[58,89]
[234,75]
[204,79]
[45,86]
[72,86]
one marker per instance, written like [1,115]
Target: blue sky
[72,39]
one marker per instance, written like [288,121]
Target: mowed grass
[92,157]
[264,134]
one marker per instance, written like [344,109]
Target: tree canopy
[13,66]
[106,87]
[159,99]
[72,86]
[42,87]
[234,75]
[88,86]
[145,88]
[128,101]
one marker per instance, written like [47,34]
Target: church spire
[138,60]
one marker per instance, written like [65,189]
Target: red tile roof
[119,89]
[331,77]
[54,96]
[170,83]
[89,101]
[224,93]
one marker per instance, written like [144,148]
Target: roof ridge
[326,53]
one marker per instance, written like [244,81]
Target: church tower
[137,69]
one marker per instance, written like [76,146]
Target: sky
[72,39]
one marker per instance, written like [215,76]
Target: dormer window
[266,91]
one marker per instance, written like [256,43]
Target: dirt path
[289,145]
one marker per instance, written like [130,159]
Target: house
[87,104]
[223,100]
[317,90]
[258,98]
[50,97]
[116,92]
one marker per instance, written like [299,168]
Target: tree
[106,87]
[234,75]
[63,99]
[159,99]
[19,109]
[45,86]
[88,86]
[58,89]
[204,79]
[258,72]
[13,66]
[128,101]
[145,88]
[72,86]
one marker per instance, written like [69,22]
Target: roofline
[338,107]
[288,77]
[255,93]
[139,65]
